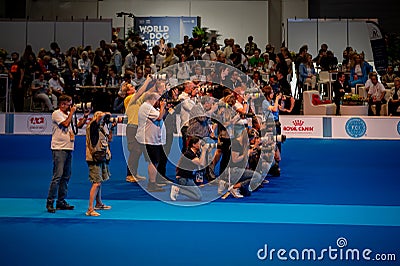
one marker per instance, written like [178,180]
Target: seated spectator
[255,60]
[198,76]
[113,80]
[268,65]
[307,73]
[84,64]
[359,70]
[376,94]
[394,101]
[170,58]
[208,54]
[42,92]
[388,77]
[56,84]
[340,87]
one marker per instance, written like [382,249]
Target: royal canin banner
[301,126]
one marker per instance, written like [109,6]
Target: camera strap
[74,124]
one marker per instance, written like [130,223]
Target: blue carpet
[337,172]
[328,190]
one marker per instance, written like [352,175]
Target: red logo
[37,124]
[298,126]
[298,123]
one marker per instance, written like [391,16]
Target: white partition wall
[300,32]
[331,33]
[13,36]
[39,34]
[69,34]
[337,34]
[95,31]
[359,38]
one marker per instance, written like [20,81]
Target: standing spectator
[250,46]
[255,61]
[116,58]
[16,75]
[62,145]
[84,64]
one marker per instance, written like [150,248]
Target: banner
[301,126]
[32,124]
[172,29]
[378,47]
[366,128]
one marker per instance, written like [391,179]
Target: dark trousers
[393,108]
[337,102]
[378,106]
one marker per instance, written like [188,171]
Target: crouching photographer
[98,155]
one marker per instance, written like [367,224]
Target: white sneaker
[174,192]
[236,193]
[221,186]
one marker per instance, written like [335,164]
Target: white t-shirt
[150,131]
[60,139]
[55,84]
[377,90]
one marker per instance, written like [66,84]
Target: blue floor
[338,172]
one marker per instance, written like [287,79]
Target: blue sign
[356,127]
[172,29]
[398,127]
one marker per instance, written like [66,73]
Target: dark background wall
[386,11]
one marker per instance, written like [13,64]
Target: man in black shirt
[190,168]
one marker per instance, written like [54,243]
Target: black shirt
[186,168]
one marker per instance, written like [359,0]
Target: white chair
[384,107]
[310,109]
[324,79]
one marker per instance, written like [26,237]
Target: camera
[210,145]
[80,107]
[159,76]
[108,119]
[273,138]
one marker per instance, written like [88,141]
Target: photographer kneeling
[98,155]
[191,167]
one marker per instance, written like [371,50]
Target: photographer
[62,145]
[151,135]
[243,179]
[270,107]
[98,155]
[190,168]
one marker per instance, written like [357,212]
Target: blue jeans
[188,188]
[62,160]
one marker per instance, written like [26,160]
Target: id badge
[199,177]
